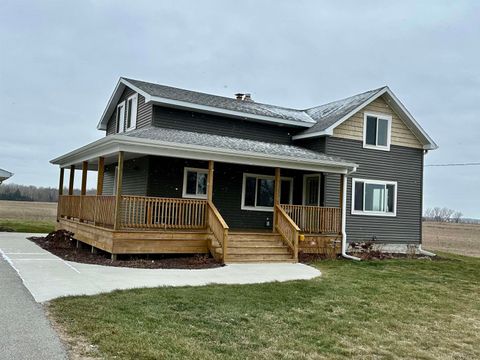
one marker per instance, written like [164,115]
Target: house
[181,171]
[4,175]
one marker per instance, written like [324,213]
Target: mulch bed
[63,244]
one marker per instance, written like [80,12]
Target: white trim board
[110,145]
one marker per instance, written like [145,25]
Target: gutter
[344,219]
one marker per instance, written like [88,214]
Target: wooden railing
[139,212]
[167,213]
[287,228]
[99,210]
[315,219]
[219,228]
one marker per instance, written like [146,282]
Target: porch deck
[153,225]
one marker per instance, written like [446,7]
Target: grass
[28,226]
[374,309]
[28,216]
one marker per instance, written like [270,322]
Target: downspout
[344,220]
[425,252]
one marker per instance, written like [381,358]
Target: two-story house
[181,171]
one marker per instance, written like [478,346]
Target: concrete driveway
[47,276]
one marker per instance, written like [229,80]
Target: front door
[311,189]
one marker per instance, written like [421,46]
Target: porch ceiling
[191,145]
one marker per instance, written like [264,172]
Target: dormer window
[131,112]
[377,131]
[121,117]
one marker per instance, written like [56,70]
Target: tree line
[444,214]
[17,192]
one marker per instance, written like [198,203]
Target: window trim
[184,188]
[133,119]
[304,192]
[120,129]
[374,213]
[389,131]
[267,177]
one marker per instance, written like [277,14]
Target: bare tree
[457,217]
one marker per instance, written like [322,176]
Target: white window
[195,183]
[121,117]
[311,189]
[374,197]
[258,192]
[377,131]
[132,112]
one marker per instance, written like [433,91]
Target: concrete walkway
[48,277]
[25,333]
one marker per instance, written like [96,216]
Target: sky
[60,61]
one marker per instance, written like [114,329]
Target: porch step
[253,247]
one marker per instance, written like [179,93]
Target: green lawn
[28,226]
[377,309]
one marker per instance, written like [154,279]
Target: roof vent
[243,97]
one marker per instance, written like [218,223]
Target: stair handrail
[288,229]
[219,228]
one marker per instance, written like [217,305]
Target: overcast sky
[60,61]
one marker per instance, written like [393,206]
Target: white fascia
[102,125]
[114,143]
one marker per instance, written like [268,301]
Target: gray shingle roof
[4,174]
[230,143]
[221,102]
[328,114]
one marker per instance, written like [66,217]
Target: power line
[455,164]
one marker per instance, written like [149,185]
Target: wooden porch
[127,224]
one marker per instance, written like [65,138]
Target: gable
[352,128]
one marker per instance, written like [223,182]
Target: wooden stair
[253,247]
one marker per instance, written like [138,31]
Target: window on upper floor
[120,118]
[258,192]
[195,183]
[377,131]
[131,121]
[374,197]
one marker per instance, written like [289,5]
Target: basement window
[195,183]
[258,192]
[377,131]
[374,197]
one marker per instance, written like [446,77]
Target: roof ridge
[348,97]
[218,96]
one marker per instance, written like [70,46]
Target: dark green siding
[144,112]
[401,164]
[219,125]
[135,175]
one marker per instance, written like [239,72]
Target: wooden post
[118,194]
[276,196]
[60,193]
[72,178]
[100,175]
[83,190]
[340,199]
[60,182]
[210,181]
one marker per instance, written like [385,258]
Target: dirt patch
[462,239]
[63,244]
